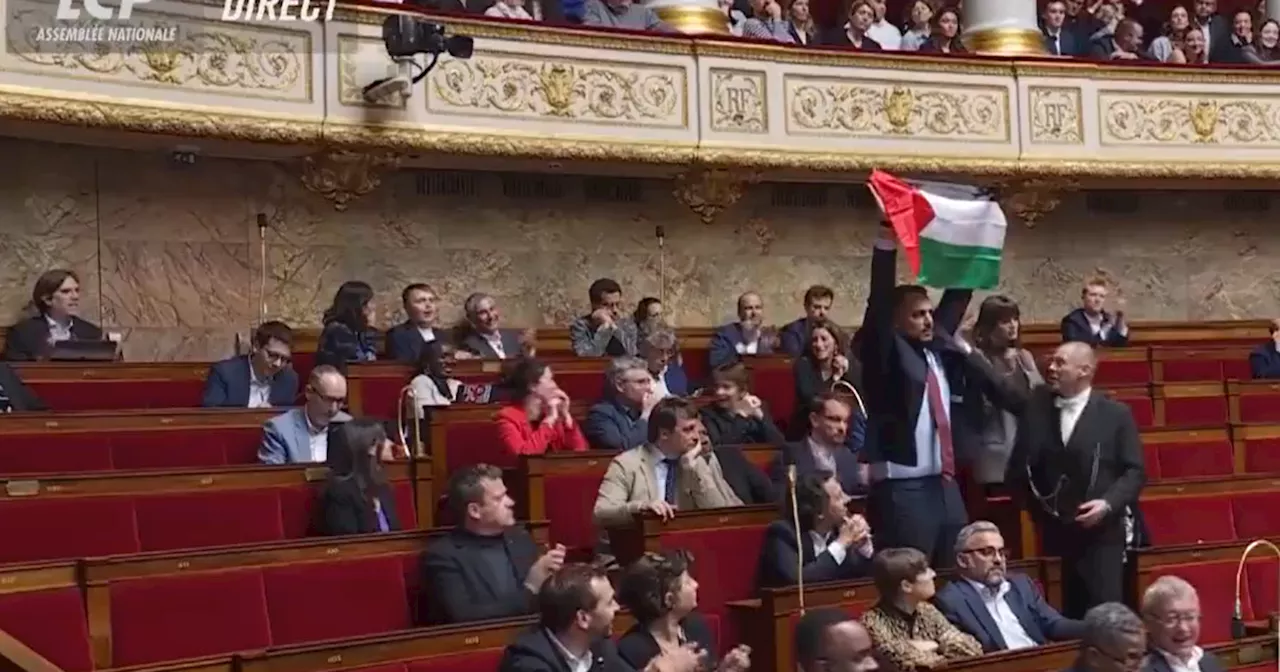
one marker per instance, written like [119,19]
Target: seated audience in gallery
[855,33]
[663,598]
[1264,361]
[349,334]
[793,338]
[261,379]
[538,420]
[487,566]
[672,471]
[834,544]
[649,308]
[1114,639]
[747,336]
[1171,610]
[1060,39]
[479,335]
[620,421]
[405,340]
[1003,610]
[824,366]
[996,339]
[576,607]
[357,498]
[825,448]
[55,317]
[301,435]
[735,416]
[605,331]
[830,638]
[657,345]
[944,35]
[15,396]
[909,632]
[624,14]
[1091,323]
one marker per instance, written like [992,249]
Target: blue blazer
[962,605]
[612,426]
[1067,43]
[404,342]
[227,385]
[677,380]
[1075,327]
[793,338]
[724,345]
[799,453]
[1264,361]
[285,439]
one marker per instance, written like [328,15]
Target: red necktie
[938,409]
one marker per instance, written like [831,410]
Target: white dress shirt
[1072,407]
[428,334]
[837,550]
[576,664]
[1177,664]
[660,389]
[1015,636]
[822,456]
[319,440]
[747,348]
[495,341]
[58,331]
[259,389]
[886,35]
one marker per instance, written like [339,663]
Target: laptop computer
[84,351]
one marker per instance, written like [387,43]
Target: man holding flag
[923,400]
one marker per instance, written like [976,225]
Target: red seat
[1261,456]
[201,519]
[297,509]
[725,561]
[775,385]
[361,596]
[381,395]
[403,493]
[585,386]
[1139,403]
[570,499]
[52,623]
[1113,372]
[1151,461]
[1216,584]
[1188,520]
[478,661]
[174,617]
[1191,454]
[1259,407]
[473,442]
[1255,514]
[54,453]
[165,449]
[74,527]
[1261,575]
[1193,405]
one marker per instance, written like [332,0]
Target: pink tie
[939,412]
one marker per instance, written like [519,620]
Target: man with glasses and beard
[1077,467]
[1113,640]
[1003,611]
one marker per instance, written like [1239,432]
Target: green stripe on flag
[943,265]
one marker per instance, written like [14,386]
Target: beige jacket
[631,482]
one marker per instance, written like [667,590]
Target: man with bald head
[1077,465]
[830,639]
[302,434]
[747,336]
[1264,361]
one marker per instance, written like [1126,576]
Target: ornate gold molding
[709,191]
[342,176]
[1032,198]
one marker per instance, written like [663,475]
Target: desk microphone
[1238,630]
[795,520]
[660,232]
[262,267]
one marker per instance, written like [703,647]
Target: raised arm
[877,321]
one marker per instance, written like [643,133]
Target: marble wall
[170,256]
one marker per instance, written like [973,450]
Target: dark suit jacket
[839,37]
[1155,662]
[1264,361]
[227,385]
[894,371]
[533,651]
[1105,429]
[476,345]
[726,428]
[28,340]
[344,511]
[21,398]
[809,384]
[404,342]
[638,647]
[612,426]
[724,345]
[339,344]
[460,591]
[1075,327]
[963,606]
[747,481]
[798,453]
[1068,43]
[793,337]
[778,560]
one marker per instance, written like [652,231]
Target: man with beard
[1003,611]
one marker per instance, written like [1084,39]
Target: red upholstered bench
[1138,399]
[1190,405]
[1254,514]
[1188,453]
[1123,367]
[1254,401]
[115,386]
[1199,364]
[42,607]
[1189,520]
[1257,448]
[561,488]
[773,380]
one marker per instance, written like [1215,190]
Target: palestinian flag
[953,236]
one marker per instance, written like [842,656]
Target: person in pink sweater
[538,421]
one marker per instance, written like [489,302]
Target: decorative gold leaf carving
[342,176]
[709,191]
[1157,119]
[739,101]
[1056,117]
[894,111]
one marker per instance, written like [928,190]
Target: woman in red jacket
[538,421]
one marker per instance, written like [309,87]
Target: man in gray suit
[302,434]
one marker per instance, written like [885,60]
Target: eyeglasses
[277,357]
[1173,619]
[987,552]
[327,399]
